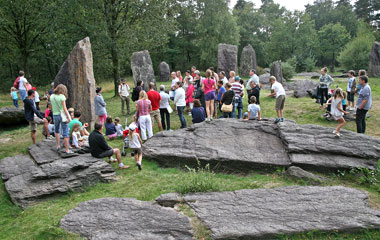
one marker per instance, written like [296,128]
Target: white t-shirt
[119,130]
[225,81]
[36,97]
[349,84]
[278,88]
[124,90]
[21,83]
[254,109]
[174,81]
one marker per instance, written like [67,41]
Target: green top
[56,103]
[71,124]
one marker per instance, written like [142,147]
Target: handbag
[63,114]
[227,108]
[170,109]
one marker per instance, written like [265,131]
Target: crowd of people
[203,98]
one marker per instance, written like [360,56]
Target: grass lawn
[41,221]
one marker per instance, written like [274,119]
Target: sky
[288,4]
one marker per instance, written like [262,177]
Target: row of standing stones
[246,146]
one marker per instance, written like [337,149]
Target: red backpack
[16,83]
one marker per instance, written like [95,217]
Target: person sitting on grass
[119,127]
[135,144]
[198,112]
[111,132]
[100,149]
[337,111]
[254,111]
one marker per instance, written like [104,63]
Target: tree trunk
[115,67]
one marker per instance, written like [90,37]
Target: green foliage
[355,53]
[287,70]
[198,179]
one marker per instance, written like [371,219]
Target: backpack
[16,84]
[135,93]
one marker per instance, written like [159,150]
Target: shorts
[33,124]
[107,153]
[351,97]
[210,96]
[280,102]
[137,150]
[58,123]
[112,135]
[155,115]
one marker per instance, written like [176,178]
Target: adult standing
[36,98]
[174,80]
[143,107]
[124,95]
[179,76]
[363,104]
[100,106]
[164,105]
[232,77]
[208,87]
[33,116]
[180,102]
[325,81]
[279,93]
[228,99]
[239,92]
[22,87]
[99,147]
[193,69]
[253,78]
[61,116]
[155,99]
[222,77]
[255,91]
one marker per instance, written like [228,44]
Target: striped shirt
[238,89]
[143,107]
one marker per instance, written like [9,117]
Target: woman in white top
[336,110]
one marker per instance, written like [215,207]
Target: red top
[189,94]
[154,98]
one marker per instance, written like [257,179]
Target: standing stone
[164,72]
[227,58]
[374,61]
[276,71]
[247,60]
[78,76]
[142,68]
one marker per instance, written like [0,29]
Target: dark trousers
[165,113]
[15,102]
[360,120]
[324,95]
[181,117]
[38,106]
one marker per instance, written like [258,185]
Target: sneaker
[338,134]
[207,120]
[58,149]
[277,120]
[334,132]
[189,113]
[50,137]
[170,130]
[69,152]
[112,159]
[282,119]
[139,166]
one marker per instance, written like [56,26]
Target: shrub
[198,180]
[287,70]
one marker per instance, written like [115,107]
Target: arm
[119,90]
[36,111]
[364,102]
[339,107]
[273,94]
[102,102]
[139,138]
[249,115]
[259,115]
[65,109]
[75,141]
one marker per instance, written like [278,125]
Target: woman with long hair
[208,87]
[143,107]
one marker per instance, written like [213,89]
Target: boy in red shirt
[155,99]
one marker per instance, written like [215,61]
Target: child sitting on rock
[111,131]
[50,127]
[119,127]
[135,144]
[76,138]
[254,110]
[337,111]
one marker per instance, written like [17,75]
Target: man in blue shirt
[364,103]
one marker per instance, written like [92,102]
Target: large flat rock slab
[266,213]
[12,116]
[29,180]
[233,145]
[126,218]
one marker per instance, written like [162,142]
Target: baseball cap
[132,126]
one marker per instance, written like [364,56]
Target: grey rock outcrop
[142,68]
[31,180]
[126,218]
[12,116]
[247,60]
[267,213]
[227,58]
[276,70]
[282,145]
[374,61]
[264,79]
[164,72]
[302,88]
[77,75]
[299,173]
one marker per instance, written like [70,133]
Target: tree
[332,38]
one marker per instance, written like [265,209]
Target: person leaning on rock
[99,147]
[124,95]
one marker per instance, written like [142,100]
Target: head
[117,120]
[252,84]
[237,79]
[46,91]
[162,88]
[220,83]
[49,105]
[60,89]
[362,72]
[178,85]
[344,94]
[197,103]
[77,114]
[98,90]
[123,81]
[232,74]
[208,73]
[252,99]
[109,119]
[228,86]
[324,71]
[132,129]
[173,74]
[178,74]
[52,85]
[222,74]
[98,126]
[241,81]
[71,112]
[363,80]
[338,93]
[31,93]
[143,95]
[351,73]
[34,88]
[197,74]
[151,86]
[252,72]
[193,68]
[21,73]
[272,79]
[76,127]
[139,83]
[187,73]
[13,89]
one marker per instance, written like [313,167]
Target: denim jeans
[58,124]
[23,94]
[15,102]
[181,117]
[239,106]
